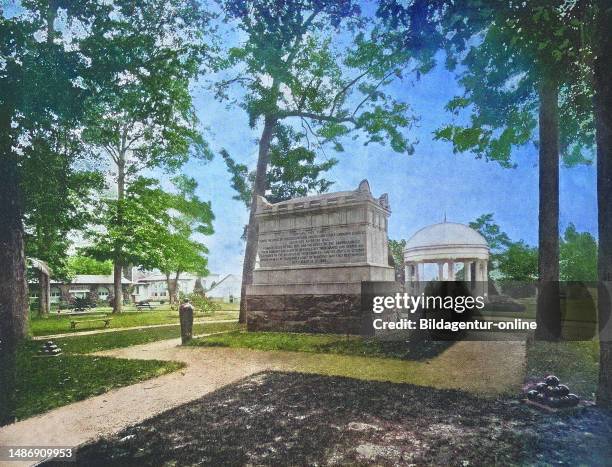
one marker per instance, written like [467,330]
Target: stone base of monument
[340,313]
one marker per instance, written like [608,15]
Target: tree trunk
[13,285]
[176,287]
[603,125]
[259,189]
[169,287]
[43,293]
[117,263]
[548,315]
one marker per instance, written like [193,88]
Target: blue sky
[422,187]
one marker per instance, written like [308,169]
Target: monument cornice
[325,202]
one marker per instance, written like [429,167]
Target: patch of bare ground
[297,419]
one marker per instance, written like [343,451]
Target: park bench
[144,304]
[106,320]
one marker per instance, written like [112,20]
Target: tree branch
[345,89]
[384,78]
[319,117]
[111,152]
[298,40]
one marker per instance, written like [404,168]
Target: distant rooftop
[158,276]
[93,279]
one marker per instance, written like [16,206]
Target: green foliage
[179,248]
[396,247]
[155,229]
[519,263]
[515,261]
[144,219]
[293,170]
[507,50]
[320,66]
[577,256]
[203,304]
[85,265]
[144,56]
[496,239]
[42,111]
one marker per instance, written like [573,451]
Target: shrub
[202,304]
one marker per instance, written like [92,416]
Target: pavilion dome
[446,233]
[446,240]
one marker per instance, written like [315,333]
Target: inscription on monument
[311,246]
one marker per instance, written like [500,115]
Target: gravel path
[209,369]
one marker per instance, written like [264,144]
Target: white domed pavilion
[447,244]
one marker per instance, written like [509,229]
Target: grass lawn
[54,324]
[575,363]
[45,383]
[324,343]
[113,340]
[435,364]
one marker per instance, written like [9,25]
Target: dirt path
[486,367]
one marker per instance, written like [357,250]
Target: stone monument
[313,254]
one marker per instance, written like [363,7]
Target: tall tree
[602,66]
[143,58]
[519,262]
[40,111]
[145,218]
[312,63]
[518,68]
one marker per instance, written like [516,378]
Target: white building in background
[227,289]
[143,286]
[96,286]
[153,286]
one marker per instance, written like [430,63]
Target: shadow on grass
[298,419]
[416,349]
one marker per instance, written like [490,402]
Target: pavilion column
[467,271]
[451,270]
[417,286]
[482,277]
[485,271]
[440,271]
